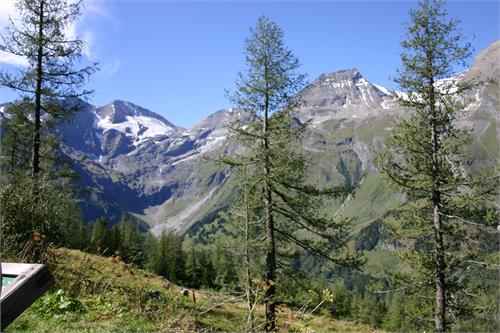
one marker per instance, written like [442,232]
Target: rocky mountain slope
[133,161]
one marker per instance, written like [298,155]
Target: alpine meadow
[324,205]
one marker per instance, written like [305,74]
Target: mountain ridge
[133,161]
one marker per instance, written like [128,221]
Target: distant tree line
[168,255]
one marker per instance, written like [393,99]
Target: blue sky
[177,57]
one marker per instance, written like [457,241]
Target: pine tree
[402,314]
[225,267]
[29,148]
[199,270]
[207,270]
[424,158]
[176,258]
[40,37]
[192,272]
[15,157]
[165,256]
[100,239]
[76,235]
[271,137]
[242,238]
[151,246]
[130,242]
[115,240]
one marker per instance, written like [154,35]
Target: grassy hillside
[97,294]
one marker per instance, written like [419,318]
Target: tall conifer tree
[271,137]
[41,36]
[425,158]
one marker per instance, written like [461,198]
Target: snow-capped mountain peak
[342,94]
[133,121]
[138,127]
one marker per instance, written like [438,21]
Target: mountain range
[133,161]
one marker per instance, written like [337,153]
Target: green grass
[379,260]
[372,199]
[374,127]
[98,294]
[489,139]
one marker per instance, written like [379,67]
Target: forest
[276,256]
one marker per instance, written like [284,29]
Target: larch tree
[425,159]
[270,139]
[36,196]
[41,36]
[242,235]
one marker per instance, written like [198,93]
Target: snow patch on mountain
[383,89]
[139,128]
[449,85]
[211,143]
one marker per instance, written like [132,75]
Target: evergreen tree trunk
[38,96]
[271,247]
[270,267]
[249,291]
[440,266]
[440,317]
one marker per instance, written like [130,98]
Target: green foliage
[124,239]
[226,267]
[100,236]
[402,315]
[16,139]
[425,159]
[36,216]
[58,304]
[40,212]
[239,252]
[368,310]
[339,301]
[199,268]
[127,241]
[270,135]
[165,257]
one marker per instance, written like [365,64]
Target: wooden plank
[31,281]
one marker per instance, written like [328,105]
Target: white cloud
[88,37]
[107,69]
[8,9]
[13,59]
[97,8]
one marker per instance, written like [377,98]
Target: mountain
[132,160]
[343,94]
